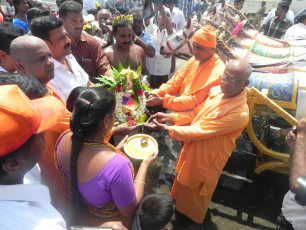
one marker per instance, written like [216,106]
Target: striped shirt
[276,28]
[27,207]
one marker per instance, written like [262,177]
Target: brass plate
[133,148]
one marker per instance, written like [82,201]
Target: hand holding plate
[123,129]
[121,143]
[151,157]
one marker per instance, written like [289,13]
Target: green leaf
[115,71]
[112,88]
[120,67]
[97,85]
[139,69]
[145,87]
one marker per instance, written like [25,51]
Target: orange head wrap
[206,36]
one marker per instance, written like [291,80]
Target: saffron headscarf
[206,36]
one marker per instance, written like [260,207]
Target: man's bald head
[24,44]
[103,19]
[32,56]
[105,11]
[235,78]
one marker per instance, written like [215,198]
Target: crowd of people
[57,165]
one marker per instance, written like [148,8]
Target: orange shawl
[192,84]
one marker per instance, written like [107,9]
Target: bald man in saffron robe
[208,133]
[192,82]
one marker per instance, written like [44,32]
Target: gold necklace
[94,144]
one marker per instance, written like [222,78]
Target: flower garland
[126,81]
[133,116]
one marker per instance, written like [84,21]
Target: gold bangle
[139,181]
[135,39]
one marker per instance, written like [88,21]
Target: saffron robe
[209,139]
[47,162]
[192,84]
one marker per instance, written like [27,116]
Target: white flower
[89,18]
[121,116]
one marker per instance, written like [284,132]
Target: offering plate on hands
[139,146]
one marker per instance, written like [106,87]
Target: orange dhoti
[209,139]
[196,206]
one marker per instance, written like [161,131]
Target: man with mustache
[68,74]
[86,49]
[123,51]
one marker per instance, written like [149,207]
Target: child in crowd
[154,213]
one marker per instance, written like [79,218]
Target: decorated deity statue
[129,93]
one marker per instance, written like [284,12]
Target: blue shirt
[147,38]
[19,23]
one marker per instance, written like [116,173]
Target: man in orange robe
[208,133]
[192,82]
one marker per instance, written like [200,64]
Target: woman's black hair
[73,96]
[89,109]
[16,3]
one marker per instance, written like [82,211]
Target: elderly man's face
[38,63]
[103,16]
[232,83]
[73,24]
[202,53]
[59,43]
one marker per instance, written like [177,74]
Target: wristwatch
[135,38]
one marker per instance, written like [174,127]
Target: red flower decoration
[132,123]
[117,90]
[130,119]
[128,113]
[139,92]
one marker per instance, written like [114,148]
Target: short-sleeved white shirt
[159,65]
[65,81]
[177,18]
[28,207]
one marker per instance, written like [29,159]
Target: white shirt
[271,14]
[151,28]
[64,81]
[27,207]
[33,176]
[177,18]
[159,65]
[293,212]
[297,31]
